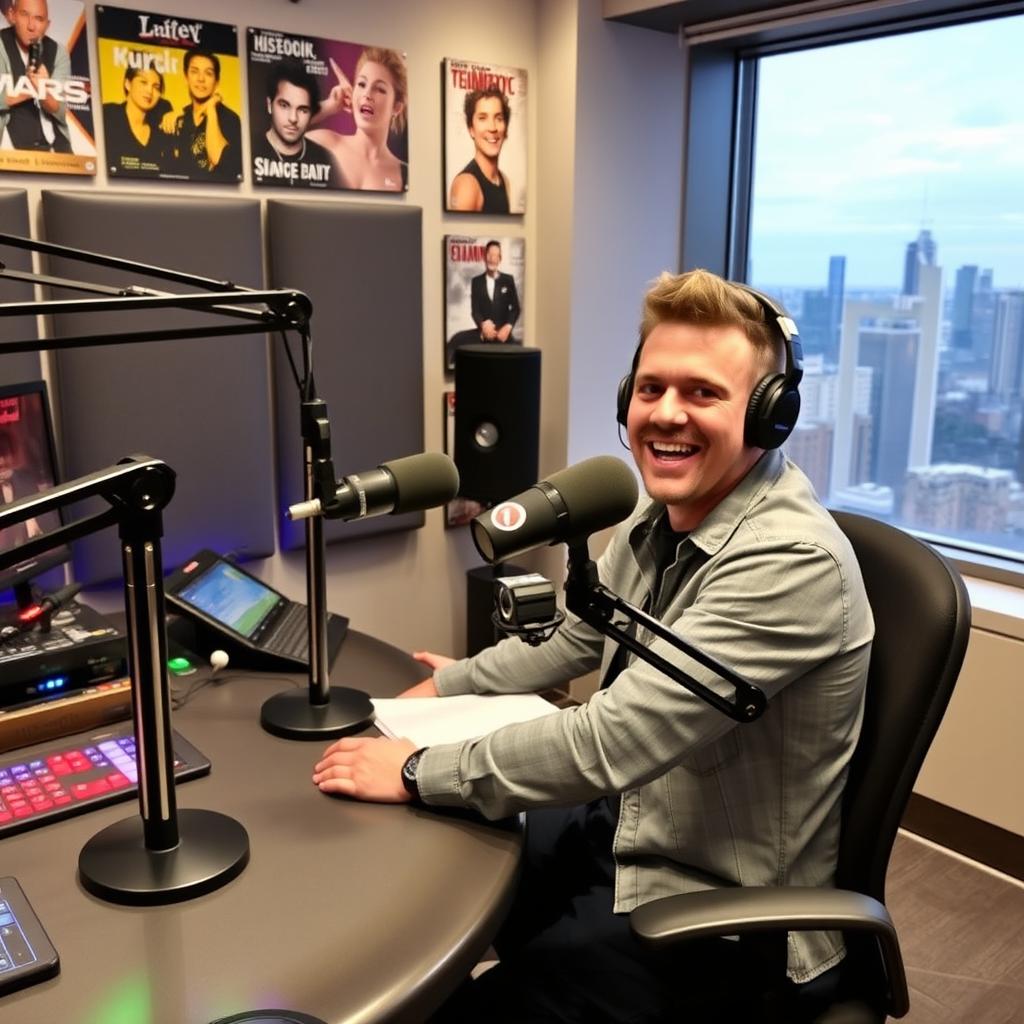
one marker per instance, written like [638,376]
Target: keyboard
[290,636]
[77,774]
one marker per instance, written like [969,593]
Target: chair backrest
[922,622]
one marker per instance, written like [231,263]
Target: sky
[861,145]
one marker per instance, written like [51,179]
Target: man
[494,306]
[283,155]
[733,552]
[33,117]
[481,186]
[208,134]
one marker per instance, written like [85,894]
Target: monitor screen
[231,597]
[27,465]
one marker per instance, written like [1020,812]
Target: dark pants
[565,956]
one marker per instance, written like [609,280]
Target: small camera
[524,601]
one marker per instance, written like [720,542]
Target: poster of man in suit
[45,111]
[484,298]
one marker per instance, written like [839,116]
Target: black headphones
[775,401]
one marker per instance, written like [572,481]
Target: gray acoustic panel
[16,366]
[361,266]
[200,405]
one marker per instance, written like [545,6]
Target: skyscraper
[1007,366]
[921,252]
[836,285]
[963,307]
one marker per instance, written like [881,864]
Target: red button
[24,812]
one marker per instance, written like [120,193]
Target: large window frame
[720,133]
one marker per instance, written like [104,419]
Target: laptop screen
[235,599]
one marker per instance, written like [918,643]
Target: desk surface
[349,912]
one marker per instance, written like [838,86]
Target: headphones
[775,401]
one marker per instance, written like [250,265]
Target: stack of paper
[430,720]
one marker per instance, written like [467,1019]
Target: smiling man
[481,186]
[647,791]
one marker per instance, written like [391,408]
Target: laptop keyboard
[290,636]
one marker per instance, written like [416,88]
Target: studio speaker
[497,420]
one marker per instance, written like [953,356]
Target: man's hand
[427,687]
[169,123]
[365,768]
[504,333]
[488,330]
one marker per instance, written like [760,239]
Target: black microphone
[411,484]
[570,504]
[35,54]
[38,614]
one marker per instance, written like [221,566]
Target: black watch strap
[409,773]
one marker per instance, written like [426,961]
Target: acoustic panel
[16,367]
[201,405]
[360,265]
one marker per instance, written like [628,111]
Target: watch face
[409,773]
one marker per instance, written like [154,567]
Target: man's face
[492,259]
[144,89]
[30,19]
[289,113]
[685,421]
[201,78]
[488,126]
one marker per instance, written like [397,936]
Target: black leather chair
[922,621]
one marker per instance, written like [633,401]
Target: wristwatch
[412,762]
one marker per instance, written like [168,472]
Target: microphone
[572,503]
[411,484]
[29,616]
[35,54]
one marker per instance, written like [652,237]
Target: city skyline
[931,138]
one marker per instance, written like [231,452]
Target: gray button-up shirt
[768,585]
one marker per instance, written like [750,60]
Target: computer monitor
[28,464]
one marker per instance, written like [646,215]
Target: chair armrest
[748,910]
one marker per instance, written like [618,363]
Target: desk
[349,912]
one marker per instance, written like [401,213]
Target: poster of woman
[171,91]
[484,137]
[484,280]
[327,114]
[45,93]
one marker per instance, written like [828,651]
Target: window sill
[996,607]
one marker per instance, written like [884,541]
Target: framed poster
[484,280]
[460,511]
[484,137]
[327,114]
[46,116]
[171,91]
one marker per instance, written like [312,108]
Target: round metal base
[116,864]
[269,1017]
[292,715]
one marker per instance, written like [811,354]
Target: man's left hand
[365,768]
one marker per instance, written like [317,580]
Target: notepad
[431,720]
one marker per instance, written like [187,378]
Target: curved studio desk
[350,912]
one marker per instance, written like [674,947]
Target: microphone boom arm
[596,605]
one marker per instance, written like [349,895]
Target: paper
[431,720]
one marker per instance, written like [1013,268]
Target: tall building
[1007,365]
[836,291]
[983,316]
[953,498]
[963,308]
[810,447]
[920,253]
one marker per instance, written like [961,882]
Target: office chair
[922,621]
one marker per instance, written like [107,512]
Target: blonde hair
[392,60]
[704,299]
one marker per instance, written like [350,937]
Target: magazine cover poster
[171,92]
[459,511]
[327,114]
[45,91]
[484,279]
[484,137]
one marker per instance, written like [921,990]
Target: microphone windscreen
[423,481]
[597,492]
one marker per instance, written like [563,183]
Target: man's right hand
[427,687]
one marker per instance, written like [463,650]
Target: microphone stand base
[117,866]
[293,716]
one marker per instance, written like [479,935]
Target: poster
[45,92]
[327,114]
[484,137]
[484,280]
[171,92]
[459,511]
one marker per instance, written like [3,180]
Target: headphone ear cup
[624,397]
[772,412]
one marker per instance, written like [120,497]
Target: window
[886,211]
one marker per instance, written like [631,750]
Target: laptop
[257,625]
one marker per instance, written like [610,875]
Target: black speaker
[497,420]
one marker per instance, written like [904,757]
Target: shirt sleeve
[769,627]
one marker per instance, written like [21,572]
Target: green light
[128,1003]
[179,664]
